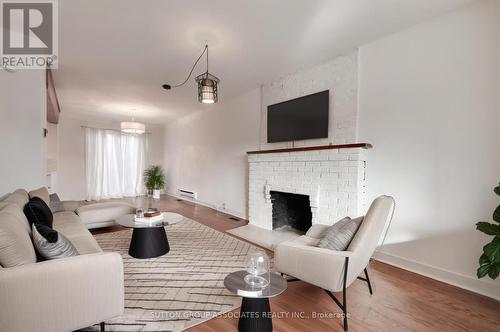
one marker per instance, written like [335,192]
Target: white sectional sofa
[55,295]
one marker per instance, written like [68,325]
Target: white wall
[22,117]
[52,157]
[52,145]
[71,183]
[340,77]
[426,98]
[206,152]
[430,105]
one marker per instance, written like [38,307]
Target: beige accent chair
[57,295]
[331,270]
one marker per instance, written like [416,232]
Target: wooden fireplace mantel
[312,148]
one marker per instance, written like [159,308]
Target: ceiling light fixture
[207,83]
[133,127]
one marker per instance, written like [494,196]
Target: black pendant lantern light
[207,88]
[207,83]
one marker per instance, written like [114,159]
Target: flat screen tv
[298,119]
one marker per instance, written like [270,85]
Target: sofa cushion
[70,225]
[42,193]
[85,244]
[16,247]
[101,212]
[70,205]
[50,244]
[38,212]
[19,197]
[16,213]
[340,234]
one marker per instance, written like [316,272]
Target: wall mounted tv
[298,119]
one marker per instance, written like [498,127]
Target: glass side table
[255,312]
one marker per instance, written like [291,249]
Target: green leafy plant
[154,178]
[489,262]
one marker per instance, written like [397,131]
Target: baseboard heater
[187,194]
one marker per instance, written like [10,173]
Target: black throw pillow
[48,233]
[37,211]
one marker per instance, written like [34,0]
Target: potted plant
[154,180]
[489,262]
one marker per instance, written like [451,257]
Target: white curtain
[115,163]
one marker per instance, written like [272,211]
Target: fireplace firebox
[292,210]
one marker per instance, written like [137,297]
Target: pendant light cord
[194,66]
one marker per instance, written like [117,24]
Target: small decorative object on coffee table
[257,264]
[255,312]
[149,217]
[149,239]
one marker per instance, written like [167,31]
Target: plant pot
[156,193]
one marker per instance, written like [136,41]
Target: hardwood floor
[402,300]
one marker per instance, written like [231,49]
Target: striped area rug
[182,288]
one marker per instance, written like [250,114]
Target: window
[115,163]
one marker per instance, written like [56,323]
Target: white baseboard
[484,287]
[212,206]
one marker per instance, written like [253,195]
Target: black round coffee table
[149,240]
[255,312]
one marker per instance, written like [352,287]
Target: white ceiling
[114,55]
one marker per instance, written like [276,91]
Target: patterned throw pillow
[50,244]
[339,235]
[55,203]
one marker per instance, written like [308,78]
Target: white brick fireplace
[333,178]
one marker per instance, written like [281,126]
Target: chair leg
[342,305]
[368,281]
[344,294]
[102,326]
